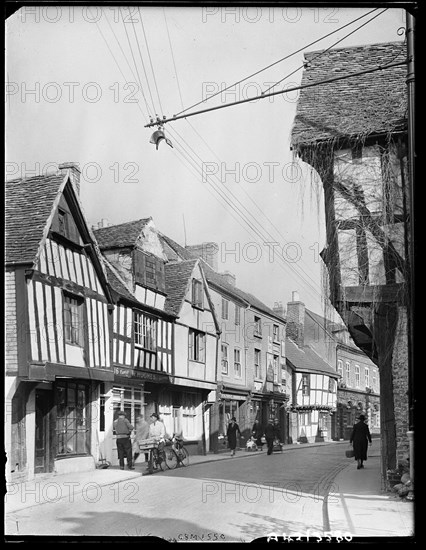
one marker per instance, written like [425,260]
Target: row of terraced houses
[124,318]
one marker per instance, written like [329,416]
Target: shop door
[43,443]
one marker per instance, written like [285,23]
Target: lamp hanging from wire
[159,134]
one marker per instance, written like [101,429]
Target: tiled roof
[306,360]
[374,103]
[175,251]
[28,205]
[177,275]
[116,283]
[121,235]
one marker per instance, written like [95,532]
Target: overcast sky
[83,82]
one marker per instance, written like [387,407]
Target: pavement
[355,504]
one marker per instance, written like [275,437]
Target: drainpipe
[410,25]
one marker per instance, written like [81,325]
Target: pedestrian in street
[257,433]
[123,430]
[272,432]
[231,434]
[157,431]
[142,432]
[360,438]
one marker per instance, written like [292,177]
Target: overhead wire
[247,217]
[277,62]
[323,52]
[136,67]
[150,60]
[116,62]
[173,57]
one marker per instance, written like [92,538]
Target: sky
[82,83]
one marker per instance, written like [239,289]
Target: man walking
[123,430]
[272,432]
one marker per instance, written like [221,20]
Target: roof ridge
[357,47]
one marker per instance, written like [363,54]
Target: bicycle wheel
[162,460]
[184,456]
[170,458]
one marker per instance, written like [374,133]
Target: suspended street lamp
[159,134]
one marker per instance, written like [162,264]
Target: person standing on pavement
[272,432]
[231,434]
[257,433]
[123,430]
[360,438]
[142,432]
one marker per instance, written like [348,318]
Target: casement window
[225,309]
[305,418]
[65,226]
[224,348]
[257,364]
[305,384]
[197,346]
[73,320]
[257,326]
[237,363]
[148,270]
[237,314]
[340,369]
[348,373]
[276,362]
[374,381]
[357,376]
[72,419]
[367,376]
[275,333]
[197,294]
[145,331]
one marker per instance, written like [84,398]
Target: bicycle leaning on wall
[176,454]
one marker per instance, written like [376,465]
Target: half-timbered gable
[61,326]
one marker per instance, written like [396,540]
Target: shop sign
[139,374]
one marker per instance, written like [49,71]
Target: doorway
[43,444]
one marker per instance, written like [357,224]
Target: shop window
[73,320]
[72,421]
[224,348]
[189,415]
[145,331]
[197,346]
[130,400]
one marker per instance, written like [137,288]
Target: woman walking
[360,438]
[231,434]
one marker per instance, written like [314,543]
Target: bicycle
[176,454]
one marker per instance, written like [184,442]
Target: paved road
[232,500]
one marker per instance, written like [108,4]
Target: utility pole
[410,26]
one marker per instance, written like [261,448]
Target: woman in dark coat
[359,438]
[231,434]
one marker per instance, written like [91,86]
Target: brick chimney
[229,277]
[296,320]
[207,251]
[74,171]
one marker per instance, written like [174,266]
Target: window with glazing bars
[145,331]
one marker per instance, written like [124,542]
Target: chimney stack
[74,172]
[229,277]
[278,309]
[296,320]
[207,251]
